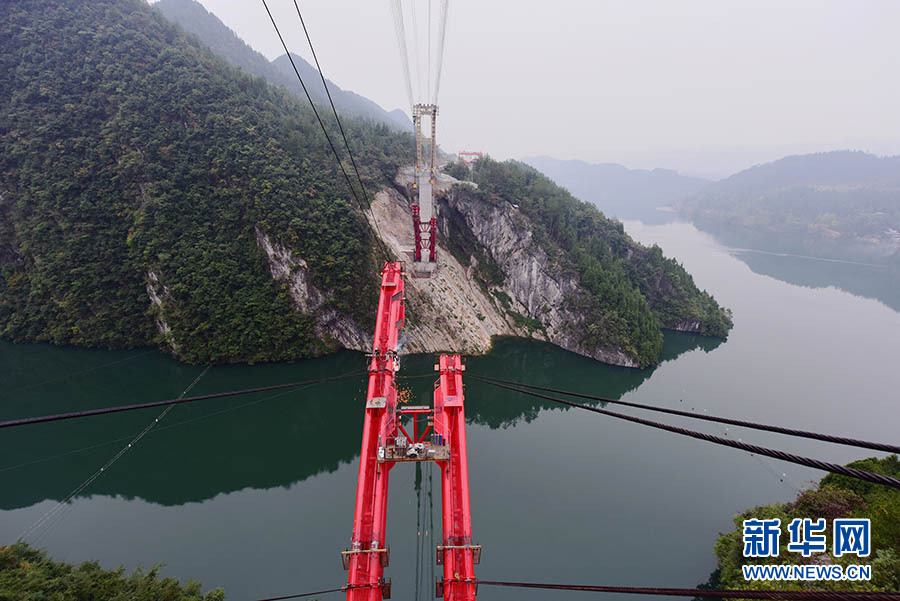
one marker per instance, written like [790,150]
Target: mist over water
[256,493]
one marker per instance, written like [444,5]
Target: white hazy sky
[702,86]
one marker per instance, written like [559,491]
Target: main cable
[712,593]
[397,11]
[318,117]
[362,186]
[806,461]
[776,595]
[853,442]
[47,518]
[440,49]
[89,412]
[299,595]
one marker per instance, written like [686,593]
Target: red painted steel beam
[417,232]
[369,520]
[450,423]
[432,240]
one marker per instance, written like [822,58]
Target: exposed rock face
[153,291]
[452,310]
[685,326]
[448,311]
[332,327]
[538,290]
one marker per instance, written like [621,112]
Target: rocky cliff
[152,194]
[493,279]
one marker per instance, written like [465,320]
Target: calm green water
[256,493]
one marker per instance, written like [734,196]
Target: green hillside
[840,205]
[27,573]
[193,17]
[834,497]
[628,291]
[138,166]
[127,149]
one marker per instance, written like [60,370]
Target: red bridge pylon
[386,442]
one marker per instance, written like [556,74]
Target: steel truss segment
[459,554]
[364,560]
[383,446]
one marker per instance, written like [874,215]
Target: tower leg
[457,554]
[367,555]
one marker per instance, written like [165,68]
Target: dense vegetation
[835,497]
[136,164]
[128,150]
[193,17]
[843,205]
[26,574]
[628,291]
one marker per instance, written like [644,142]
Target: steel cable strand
[404,53]
[806,461]
[299,595]
[155,431]
[46,520]
[440,49]
[853,442]
[343,134]
[316,112]
[714,593]
[90,412]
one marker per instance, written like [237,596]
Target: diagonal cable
[316,112]
[727,442]
[853,442]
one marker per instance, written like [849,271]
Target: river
[256,494]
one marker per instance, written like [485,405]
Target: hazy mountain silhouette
[840,205]
[194,18]
[618,191]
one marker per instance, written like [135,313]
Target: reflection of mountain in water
[547,365]
[871,281]
[199,450]
[261,441]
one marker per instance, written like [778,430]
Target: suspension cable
[297,596]
[397,10]
[319,118]
[154,431]
[713,593]
[806,461]
[415,37]
[362,186]
[853,442]
[89,412]
[777,595]
[440,49]
[57,511]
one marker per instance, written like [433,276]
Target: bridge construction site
[435,435]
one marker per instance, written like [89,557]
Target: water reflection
[198,451]
[870,281]
[547,365]
[259,441]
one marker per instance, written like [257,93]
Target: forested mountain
[134,162]
[626,291]
[194,18]
[832,498]
[843,205]
[151,193]
[619,191]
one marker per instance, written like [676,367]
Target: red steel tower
[386,442]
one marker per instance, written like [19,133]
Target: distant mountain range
[841,205]
[195,19]
[619,191]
